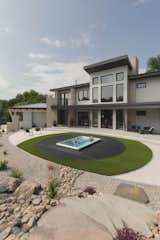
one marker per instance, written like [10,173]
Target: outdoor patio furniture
[147,130]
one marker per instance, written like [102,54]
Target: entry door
[63,117]
[83,119]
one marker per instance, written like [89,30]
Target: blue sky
[46,43]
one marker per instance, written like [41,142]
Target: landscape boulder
[9,184]
[27,188]
[132,192]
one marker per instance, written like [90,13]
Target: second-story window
[107,79]
[119,92]
[107,94]
[83,95]
[120,76]
[64,98]
[141,85]
[95,80]
[95,94]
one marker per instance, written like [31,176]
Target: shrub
[128,234]
[37,129]
[16,173]
[3,165]
[52,188]
[27,130]
[90,190]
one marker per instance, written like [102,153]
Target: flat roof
[107,64]
[31,106]
[145,75]
[70,86]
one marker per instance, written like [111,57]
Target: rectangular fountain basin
[79,142]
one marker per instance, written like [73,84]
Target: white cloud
[83,39]
[4,84]
[56,74]
[39,56]
[54,43]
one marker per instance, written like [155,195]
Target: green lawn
[135,156]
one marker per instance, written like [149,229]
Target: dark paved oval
[107,147]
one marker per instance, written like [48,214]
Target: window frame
[93,99]
[94,79]
[107,75]
[83,95]
[101,93]
[141,85]
[120,84]
[119,73]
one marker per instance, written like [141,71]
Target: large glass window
[120,76]
[107,79]
[106,118]
[107,94]
[119,92]
[83,95]
[95,95]
[95,80]
[119,119]
[64,98]
[94,118]
[83,119]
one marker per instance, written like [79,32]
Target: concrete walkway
[149,174]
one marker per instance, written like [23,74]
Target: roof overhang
[108,64]
[144,105]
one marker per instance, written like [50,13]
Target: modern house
[116,97]
[27,116]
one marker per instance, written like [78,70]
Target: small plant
[37,129]
[52,188]
[90,190]
[16,173]
[27,130]
[128,234]
[51,169]
[3,165]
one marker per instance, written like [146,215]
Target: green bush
[16,173]
[52,188]
[3,165]
[37,129]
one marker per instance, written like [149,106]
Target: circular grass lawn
[131,156]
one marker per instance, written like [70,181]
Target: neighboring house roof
[31,106]
[74,86]
[145,75]
[107,64]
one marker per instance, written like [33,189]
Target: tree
[153,64]
[28,97]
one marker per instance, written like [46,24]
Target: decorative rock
[36,201]
[32,222]
[9,184]
[11,237]
[132,192]
[5,233]
[25,219]
[27,188]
